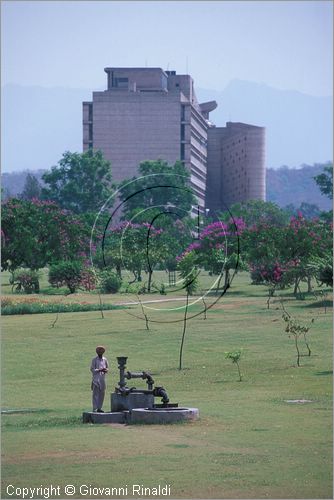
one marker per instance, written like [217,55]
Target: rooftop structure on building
[150,114]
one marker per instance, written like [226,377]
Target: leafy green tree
[66,273]
[32,188]
[135,247]
[157,185]
[325,181]
[322,269]
[253,212]
[81,182]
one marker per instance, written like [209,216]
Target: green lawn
[248,443]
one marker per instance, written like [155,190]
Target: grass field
[248,443]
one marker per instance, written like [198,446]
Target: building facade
[150,114]
[236,165]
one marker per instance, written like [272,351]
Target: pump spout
[161,392]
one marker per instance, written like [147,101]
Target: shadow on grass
[321,303]
[328,372]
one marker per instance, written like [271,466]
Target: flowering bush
[218,248]
[88,280]
[272,273]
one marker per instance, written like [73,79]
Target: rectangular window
[182,151]
[182,133]
[90,112]
[121,83]
[183,113]
[90,132]
[164,82]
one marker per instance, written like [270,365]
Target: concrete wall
[236,165]
[132,127]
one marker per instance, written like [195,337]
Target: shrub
[27,280]
[35,306]
[110,282]
[134,288]
[66,273]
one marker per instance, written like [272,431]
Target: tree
[325,181]
[290,249]
[253,212]
[32,188]
[37,233]
[308,210]
[72,274]
[305,240]
[274,275]
[135,247]
[188,271]
[322,269]
[235,356]
[158,185]
[81,182]
[217,248]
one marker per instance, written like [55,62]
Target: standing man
[99,368]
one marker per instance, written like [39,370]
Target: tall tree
[81,182]
[157,185]
[325,181]
[32,188]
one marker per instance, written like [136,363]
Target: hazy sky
[285,44]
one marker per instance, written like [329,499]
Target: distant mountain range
[39,123]
[299,127]
[284,185]
[294,186]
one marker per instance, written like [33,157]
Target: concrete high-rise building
[150,114]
